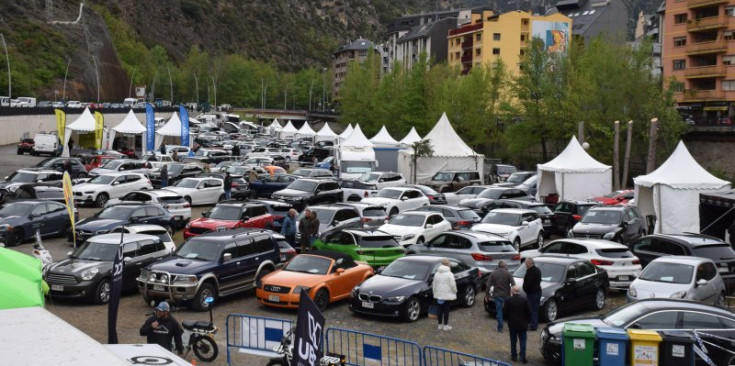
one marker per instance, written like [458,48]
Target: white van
[27,102]
[46,144]
[4,101]
[130,102]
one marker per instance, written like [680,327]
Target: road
[473,330]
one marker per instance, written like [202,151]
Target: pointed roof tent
[130,124]
[384,138]
[681,171]
[412,137]
[275,126]
[574,159]
[172,127]
[357,139]
[83,123]
[445,141]
[289,128]
[326,131]
[306,130]
[347,132]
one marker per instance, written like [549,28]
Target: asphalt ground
[473,329]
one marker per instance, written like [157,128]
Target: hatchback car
[515,179]
[375,248]
[313,173]
[398,199]
[122,215]
[453,198]
[415,227]
[435,198]
[240,189]
[309,191]
[371,216]
[102,187]
[522,227]
[176,172]
[333,218]
[450,181]
[230,215]
[543,211]
[382,179]
[459,217]
[623,224]
[481,203]
[20,220]
[200,191]
[568,213]
[171,201]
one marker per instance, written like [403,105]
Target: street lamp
[7,58]
[324,88]
[65,74]
[130,89]
[97,72]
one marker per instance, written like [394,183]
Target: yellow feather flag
[99,122]
[69,199]
[60,123]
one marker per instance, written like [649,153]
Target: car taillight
[365,219]
[481,257]
[636,261]
[516,257]
[430,197]
[601,262]
[577,217]
[149,182]
[234,184]
[365,194]
[186,205]
[463,223]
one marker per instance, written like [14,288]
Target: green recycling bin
[578,344]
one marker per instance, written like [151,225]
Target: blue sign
[184,114]
[150,123]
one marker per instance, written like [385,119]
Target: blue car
[266,184]
[122,215]
[20,220]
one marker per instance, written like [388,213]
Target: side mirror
[404,198]
[245,218]
[340,271]
[227,257]
[127,260]
[68,254]
[335,222]
[115,183]
[701,282]
[571,281]
[204,214]
[524,223]
[624,224]
[429,226]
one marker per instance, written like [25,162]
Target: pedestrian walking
[304,240]
[288,229]
[518,312]
[532,288]
[164,176]
[444,289]
[498,286]
[228,186]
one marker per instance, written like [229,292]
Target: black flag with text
[308,347]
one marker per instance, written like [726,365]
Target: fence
[255,335]
[434,356]
[371,349]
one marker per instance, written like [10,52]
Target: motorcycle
[40,252]
[285,349]
[199,336]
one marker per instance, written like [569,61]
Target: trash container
[578,342]
[644,347]
[613,343]
[677,348]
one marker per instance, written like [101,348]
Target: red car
[95,161]
[620,197]
[25,146]
[230,215]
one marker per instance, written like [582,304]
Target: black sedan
[20,220]
[266,184]
[403,288]
[717,325]
[119,215]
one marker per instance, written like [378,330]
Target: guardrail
[371,349]
[254,334]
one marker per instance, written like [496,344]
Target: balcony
[465,29]
[719,46]
[692,4]
[709,23]
[697,72]
[466,58]
[467,44]
[701,95]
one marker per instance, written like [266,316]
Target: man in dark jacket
[518,312]
[236,150]
[532,288]
[161,328]
[228,186]
[164,176]
[500,282]
[313,229]
[304,231]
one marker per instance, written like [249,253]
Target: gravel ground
[473,330]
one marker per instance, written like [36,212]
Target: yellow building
[489,37]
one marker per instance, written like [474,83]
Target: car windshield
[308,264]
[161,234]
[303,185]
[174,169]
[95,251]
[491,194]
[188,183]
[502,218]
[200,248]
[667,272]
[408,220]
[369,177]
[102,179]
[111,164]
[379,242]
[468,214]
[517,178]
[389,193]
[411,270]
[541,210]
[717,252]
[224,213]
[116,212]
[604,217]
[16,209]
[22,177]
[443,177]
[582,209]
[46,162]
[427,190]
[466,190]
[496,246]
[550,272]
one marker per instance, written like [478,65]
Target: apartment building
[356,50]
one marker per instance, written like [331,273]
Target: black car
[88,270]
[459,217]
[715,326]
[481,202]
[59,164]
[267,184]
[176,172]
[623,224]
[32,191]
[125,214]
[23,176]
[651,247]
[20,220]
[278,209]
[307,191]
[403,288]
[543,211]
[240,188]
[315,173]
[307,158]
[567,213]
[435,198]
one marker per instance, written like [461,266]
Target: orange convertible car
[326,276]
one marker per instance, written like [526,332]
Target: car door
[149,251]
[462,278]
[36,221]
[587,282]
[435,225]
[132,263]
[337,241]
[532,230]
[57,218]
[437,246]
[716,332]
[156,216]
[524,231]
[231,272]
[342,283]
[567,296]
[705,293]
[562,216]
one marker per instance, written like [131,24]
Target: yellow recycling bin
[644,347]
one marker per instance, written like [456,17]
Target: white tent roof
[574,159]
[172,127]
[289,128]
[412,137]
[383,138]
[84,122]
[326,131]
[347,132]
[306,130]
[681,171]
[275,125]
[130,124]
[445,141]
[357,139]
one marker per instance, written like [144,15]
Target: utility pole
[214,86]
[616,157]
[196,84]
[651,161]
[97,72]
[324,89]
[65,74]
[580,132]
[171,84]
[626,160]
[132,78]
[7,59]
[311,88]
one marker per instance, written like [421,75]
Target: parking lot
[473,330]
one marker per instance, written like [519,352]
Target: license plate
[368,305]
[158,288]
[547,221]
[274,298]
[723,269]
[57,287]
[623,278]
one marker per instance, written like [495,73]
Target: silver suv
[450,181]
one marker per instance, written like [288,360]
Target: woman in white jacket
[445,291]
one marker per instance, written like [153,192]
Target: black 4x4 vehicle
[320,153]
[308,191]
[214,264]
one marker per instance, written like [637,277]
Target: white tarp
[450,153]
[83,124]
[383,138]
[306,130]
[671,192]
[326,133]
[288,131]
[574,175]
[274,127]
[412,137]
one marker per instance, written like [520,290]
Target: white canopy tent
[82,125]
[326,134]
[346,133]
[357,139]
[306,131]
[450,152]
[412,137]
[274,127]
[130,125]
[671,192]
[384,139]
[172,128]
[288,131]
[573,175]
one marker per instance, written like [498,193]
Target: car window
[695,320]
[572,248]
[706,271]
[230,249]
[440,241]
[585,269]
[130,250]
[659,320]
[39,210]
[346,239]
[258,210]
[458,242]
[457,267]
[629,215]
[262,244]
[153,211]
[642,244]
[562,207]
[132,178]
[53,207]
[447,213]
[139,212]
[554,248]
[245,247]
[349,214]
[571,272]
[333,238]
[150,246]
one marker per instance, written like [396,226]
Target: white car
[157,159]
[122,165]
[103,187]
[621,265]
[155,230]
[382,179]
[200,191]
[398,199]
[415,227]
[290,154]
[171,201]
[453,198]
[522,227]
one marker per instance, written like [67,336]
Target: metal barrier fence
[371,349]
[434,356]
[254,334]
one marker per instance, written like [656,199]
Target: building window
[496,51]
[523,37]
[496,36]
[478,51]
[680,18]
[676,86]
[680,64]
[680,41]
[728,35]
[730,11]
[728,85]
[728,59]
[523,52]
[478,37]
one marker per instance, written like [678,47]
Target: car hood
[213,223]
[493,228]
[378,201]
[77,266]
[6,185]
[547,288]
[391,286]
[101,170]
[293,279]
[473,202]
[180,265]
[555,328]
[650,289]
[98,224]
[582,228]
[12,220]
[179,190]
[292,193]
[398,229]
[84,187]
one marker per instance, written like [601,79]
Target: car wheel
[221,198]
[81,175]
[517,244]
[102,293]
[321,299]
[188,199]
[102,199]
[411,310]
[540,240]
[16,237]
[600,299]
[720,301]
[420,240]
[393,212]
[468,297]
[550,310]
[199,303]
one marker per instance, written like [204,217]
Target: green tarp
[21,284]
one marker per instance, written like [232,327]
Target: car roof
[117,174]
[229,234]
[367,232]
[241,204]
[478,235]
[523,202]
[160,193]
[685,259]
[312,180]
[424,258]
[401,188]
[513,210]
[692,239]
[143,227]
[362,205]
[662,304]
[596,243]
[456,171]
[608,208]
[29,170]
[580,202]
[419,213]
[558,259]
[32,201]
[114,238]
[272,202]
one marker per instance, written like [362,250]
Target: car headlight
[298,289]
[394,299]
[355,291]
[90,273]
[609,236]
[408,237]
[632,292]
[6,227]
[188,225]
[180,279]
[678,295]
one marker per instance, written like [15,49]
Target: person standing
[313,229]
[304,240]
[444,288]
[532,288]
[164,176]
[163,149]
[228,186]
[498,286]
[175,155]
[518,312]
[236,150]
[161,328]
[253,176]
[288,229]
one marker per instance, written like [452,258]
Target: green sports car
[375,248]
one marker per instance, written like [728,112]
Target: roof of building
[356,45]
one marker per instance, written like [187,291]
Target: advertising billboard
[555,35]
